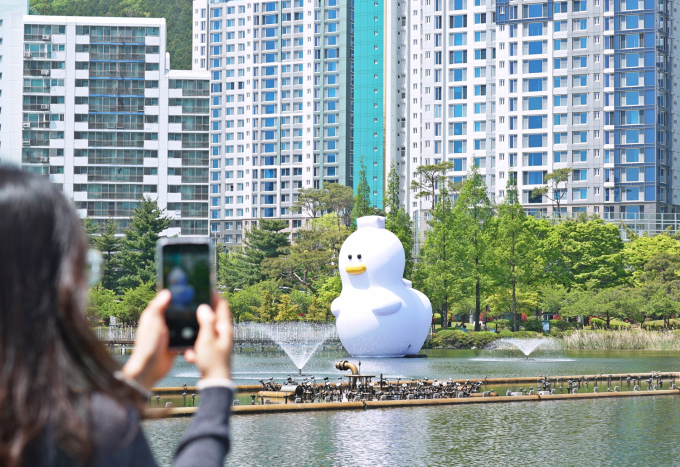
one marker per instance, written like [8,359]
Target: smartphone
[184,267]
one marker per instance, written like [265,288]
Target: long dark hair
[50,360]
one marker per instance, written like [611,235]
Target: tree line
[478,259]
[485,259]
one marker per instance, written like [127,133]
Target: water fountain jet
[299,340]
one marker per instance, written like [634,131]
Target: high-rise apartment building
[280,105]
[92,104]
[520,89]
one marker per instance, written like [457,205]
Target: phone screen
[186,273]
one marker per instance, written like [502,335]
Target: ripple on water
[613,432]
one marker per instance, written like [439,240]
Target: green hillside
[177,14]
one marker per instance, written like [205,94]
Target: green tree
[659,283]
[286,310]
[619,302]
[101,304]
[311,258]
[591,255]
[245,302]
[241,268]
[110,245]
[267,309]
[178,15]
[329,288]
[472,216]
[137,256]
[435,274]
[515,259]
[643,248]
[317,312]
[397,219]
[339,199]
[91,230]
[556,190]
[310,201]
[362,199]
[134,301]
[427,178]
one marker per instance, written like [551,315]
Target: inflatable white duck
[378,313]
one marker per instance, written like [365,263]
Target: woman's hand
[151,358]
[212,351]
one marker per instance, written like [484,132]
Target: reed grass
[621,340]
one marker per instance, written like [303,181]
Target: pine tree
[362,201]
[91,230]
[109,245]
[398,221]
[286,310]
[241,268]
[137,255]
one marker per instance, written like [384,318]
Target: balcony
[93,143]
[116,74]
[195,110]
[195,127]
[195,92]
[195,144]
[115,126]
[117,108]
[114,56]
[95,195]
[44,72]
[37,89]
[117,39]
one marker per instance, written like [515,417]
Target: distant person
[462,327]
[64,400]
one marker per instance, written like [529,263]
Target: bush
[559,325]
[505,333]
[596,323]
[457,339]
[617,325]
[524,334]
[502,323]
[658,325]
[556,334]
[534,325]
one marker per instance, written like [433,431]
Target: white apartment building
[92,104]
[280,105]
[520,89]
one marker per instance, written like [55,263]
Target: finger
[206,321]
[160,302]
[190,355]
[223,314]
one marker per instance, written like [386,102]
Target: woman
[63,398]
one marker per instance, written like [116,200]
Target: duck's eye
[349,257]
[358,256]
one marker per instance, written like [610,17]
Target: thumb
[160,302]
[206,321]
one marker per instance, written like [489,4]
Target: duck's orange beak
[356,269]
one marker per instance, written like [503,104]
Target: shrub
[523,317]
[534,325]
[463,340]
[559,325]
[524,334]
[557,334]
[596,323]
[505,333]
[658,325]
[502,323]
[618,325]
